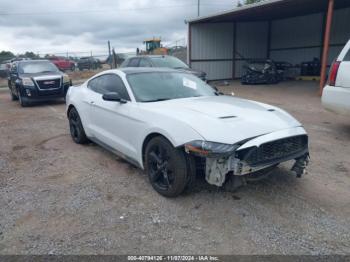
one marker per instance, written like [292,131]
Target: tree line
[247,2]
[7,55]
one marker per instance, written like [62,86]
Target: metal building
[282,30]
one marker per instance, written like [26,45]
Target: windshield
[37,67]
[168,61]
[158,86]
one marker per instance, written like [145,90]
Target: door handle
[92,102]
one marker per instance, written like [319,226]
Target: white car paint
[221,119]
[337,98]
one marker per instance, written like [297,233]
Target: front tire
[76,128]
[21,101]
[13,96]
[166,167]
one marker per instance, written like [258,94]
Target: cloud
[79,26]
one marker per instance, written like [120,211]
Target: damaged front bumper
[254,155]
[217,169]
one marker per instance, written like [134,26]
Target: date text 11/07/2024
[173,258]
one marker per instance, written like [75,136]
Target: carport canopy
[280,9]
[271,10]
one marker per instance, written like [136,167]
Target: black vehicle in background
[89,63]
[162,61]
[36,80]
[3,69]
[261,72]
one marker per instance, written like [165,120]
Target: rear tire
[76,128]
[166,167]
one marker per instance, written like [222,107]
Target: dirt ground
[57,197]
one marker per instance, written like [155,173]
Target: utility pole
[198,11]
[109,54]
[114,58]
[326,41]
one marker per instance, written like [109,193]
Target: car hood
[49,74]
[224,119]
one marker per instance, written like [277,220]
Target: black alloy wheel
[76,128]
[166,167]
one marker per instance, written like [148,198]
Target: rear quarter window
[134,62]
[347,57]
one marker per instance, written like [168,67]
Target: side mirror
[113,96]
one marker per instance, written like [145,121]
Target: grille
[274,150]
[51,92]
[49,84]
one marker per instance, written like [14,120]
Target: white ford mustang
[173,125]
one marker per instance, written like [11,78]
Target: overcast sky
[53,26]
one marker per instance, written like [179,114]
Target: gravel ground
[57,197]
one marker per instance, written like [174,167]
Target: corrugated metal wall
[297,39]
[340,33]
[215,69]
[251,43]
[303,36]
[293,40]
[297,31]
[212,42]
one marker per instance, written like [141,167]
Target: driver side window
[109,83]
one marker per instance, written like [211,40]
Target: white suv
[336,95]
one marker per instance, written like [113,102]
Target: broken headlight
[209,149]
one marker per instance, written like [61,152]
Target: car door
[112,122]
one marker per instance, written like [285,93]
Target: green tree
[248,2]
[6,55]
[48,56]
[30,55]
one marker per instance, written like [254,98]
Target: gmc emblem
[49,82]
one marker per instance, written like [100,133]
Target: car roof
[33,61]
[150,56]
[136,70]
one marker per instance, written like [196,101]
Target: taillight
[333,73]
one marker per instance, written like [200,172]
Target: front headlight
[26,81]
[66,79]
[209,149]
